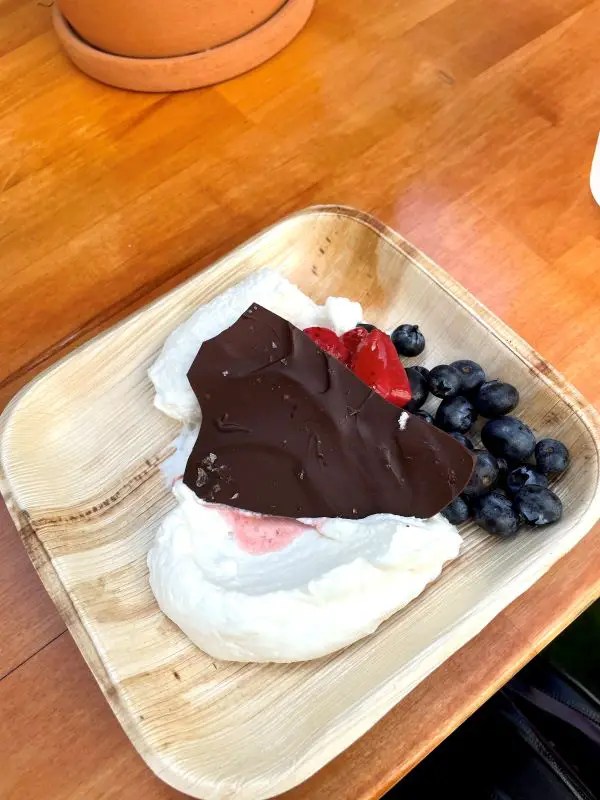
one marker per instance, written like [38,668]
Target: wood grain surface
[468,127]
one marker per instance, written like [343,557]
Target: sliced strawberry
[352,339]
[329,341]
[376,363]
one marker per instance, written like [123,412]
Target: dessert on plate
[317,488]
[308,498]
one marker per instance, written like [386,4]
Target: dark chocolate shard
[288,430]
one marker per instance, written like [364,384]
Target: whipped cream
[249,587]
[174,395]
[331,583]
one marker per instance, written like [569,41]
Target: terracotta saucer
[189,71]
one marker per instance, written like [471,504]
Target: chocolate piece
[288,430]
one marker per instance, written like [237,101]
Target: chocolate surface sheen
[288,430]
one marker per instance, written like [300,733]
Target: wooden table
[469,126]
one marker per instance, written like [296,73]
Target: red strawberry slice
[376,363]
[329,341]
[352,339]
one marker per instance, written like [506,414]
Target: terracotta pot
[190,70]
[157,28]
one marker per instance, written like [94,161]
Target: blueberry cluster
[509,484]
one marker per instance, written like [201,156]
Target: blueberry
[464,440]
[538,505]
[426,416]
[508,438]
[366,326]
[423,370]
[551,456]
[408,340]
[494,398]
[457,511]
[503,465]
[484,475]
[418,388]
[524,476]
[471,374]
[494,513]
[444,381]
[455,414]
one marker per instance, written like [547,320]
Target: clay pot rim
[66,32]
[192,70]
[164,32]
